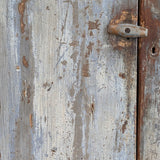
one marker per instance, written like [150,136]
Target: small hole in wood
[127,30]
[153,50]
[128,38]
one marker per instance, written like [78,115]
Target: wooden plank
[149,104]
[17,70]
[70,89]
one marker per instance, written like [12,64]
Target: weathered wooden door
[69,90]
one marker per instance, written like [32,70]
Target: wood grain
[149,104]
[68,89]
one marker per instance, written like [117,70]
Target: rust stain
[93,25]
[85,69]
[129,16]
[74,56]
[25,62]
[31,120]
[98,50]
[45,85]
[124,126]
[85,66]
[21,9]
[48,86]
[90,48]
[99,43]
[27,38]
[86,7]
[99,46]
[17,67]
[91,33]
[23,94]
[125,16]
[122,75]
[64,62]
[28,93]
[148,56]
[74,43]
[124,44]
[83,35]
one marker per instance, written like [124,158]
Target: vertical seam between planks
[138,93]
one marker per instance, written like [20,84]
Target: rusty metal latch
[128,30]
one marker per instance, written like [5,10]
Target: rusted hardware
[128,30]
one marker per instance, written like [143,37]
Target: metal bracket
[127,30]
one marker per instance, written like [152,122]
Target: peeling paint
[31,120]
[74,43]
[64,62]
[124,126]
[21,9]
[93,25]
[122,75]
[76,116]
[148,99]
[25,62]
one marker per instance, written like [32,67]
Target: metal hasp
[127,30]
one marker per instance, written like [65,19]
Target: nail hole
[153,50]
[127,30]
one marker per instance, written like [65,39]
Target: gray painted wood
[68,89]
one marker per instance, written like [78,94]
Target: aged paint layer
[17,73]
[21,8]
[24,122]
[89,107]
[149,59]
[71,87]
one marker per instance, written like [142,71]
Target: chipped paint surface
[74,94]
[25,62]
[21,9]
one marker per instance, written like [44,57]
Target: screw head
[127,30]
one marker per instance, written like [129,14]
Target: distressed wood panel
[68,88]
[149,81]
